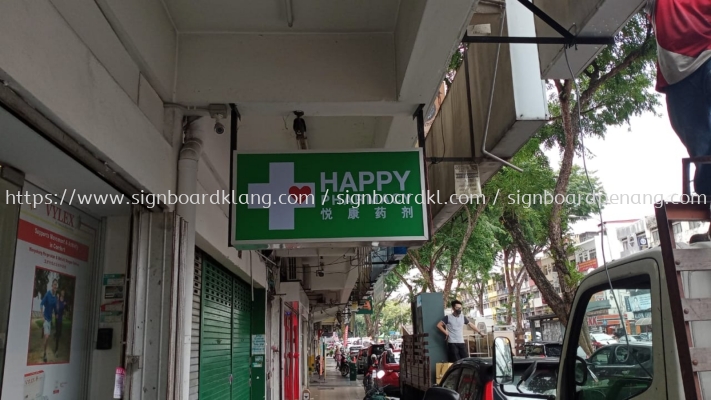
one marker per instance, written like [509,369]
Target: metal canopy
[567,38]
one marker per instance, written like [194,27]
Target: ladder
[685,310]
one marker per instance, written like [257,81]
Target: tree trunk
[519,311]
[555,302]
[368,325]
[480,295]
[457,259]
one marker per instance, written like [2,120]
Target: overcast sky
[643,158]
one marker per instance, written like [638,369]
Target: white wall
[263,68]
[146,31]
[48,64]
[115,261]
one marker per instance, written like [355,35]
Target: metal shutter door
[215,334]
[241,340]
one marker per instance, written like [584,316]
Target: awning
[643,321]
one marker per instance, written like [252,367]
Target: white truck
[667,352]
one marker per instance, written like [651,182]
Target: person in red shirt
[683,33]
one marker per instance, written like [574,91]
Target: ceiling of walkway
[265,16]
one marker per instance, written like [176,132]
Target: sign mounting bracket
[567,39]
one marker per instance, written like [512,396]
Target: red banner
[586,265]
[42,237]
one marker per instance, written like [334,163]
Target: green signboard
[318,197]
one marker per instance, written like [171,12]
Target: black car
[614,361]
[472,378]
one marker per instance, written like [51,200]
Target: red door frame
[291,342]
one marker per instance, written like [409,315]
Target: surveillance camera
[320,274]
[219,128]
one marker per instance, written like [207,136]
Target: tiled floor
[334,386]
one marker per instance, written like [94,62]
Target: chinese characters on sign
[354,213]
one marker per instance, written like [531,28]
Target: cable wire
[599,206]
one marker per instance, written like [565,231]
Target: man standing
[48,307]
[683,32]
[453,327]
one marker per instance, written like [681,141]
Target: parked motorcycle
[345,368]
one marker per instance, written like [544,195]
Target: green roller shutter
[215,334]
[241,340]
[225,336]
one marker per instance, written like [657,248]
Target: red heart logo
[299,194]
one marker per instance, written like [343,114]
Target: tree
[394,315]
[372,321]
[514,280]
[442,256]
[475,278]
[615,87]
[464,248]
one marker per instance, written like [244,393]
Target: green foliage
[522,195]
[626,94]
[439,254]
[394,314]
[454,63]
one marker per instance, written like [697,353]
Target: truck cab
[649,369]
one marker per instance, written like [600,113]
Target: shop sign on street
[318,197]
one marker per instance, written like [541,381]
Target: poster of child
[51,317]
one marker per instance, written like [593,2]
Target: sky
[641,158]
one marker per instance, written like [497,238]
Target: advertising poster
[641,302]
[49,310]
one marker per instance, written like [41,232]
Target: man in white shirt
[453,328]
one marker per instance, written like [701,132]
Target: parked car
[646,336]
[614,361]
[389,378]
[472,378]
[543,349]
[601,339]
[353,352]
[364,356]
[630,338]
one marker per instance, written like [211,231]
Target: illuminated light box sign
[318,197]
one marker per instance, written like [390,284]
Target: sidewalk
[335,386]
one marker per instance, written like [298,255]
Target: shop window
[677,228]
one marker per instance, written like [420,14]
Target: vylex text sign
[321,197]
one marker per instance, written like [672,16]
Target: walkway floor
[334,386]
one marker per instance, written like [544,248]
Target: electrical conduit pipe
[188,160]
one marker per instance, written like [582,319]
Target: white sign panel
[46,343]
[466,180]
[257,344]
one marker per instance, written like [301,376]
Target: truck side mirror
[581,371]
[503,361]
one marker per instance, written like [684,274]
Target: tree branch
[404,281]
[588,111]
[633,56]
